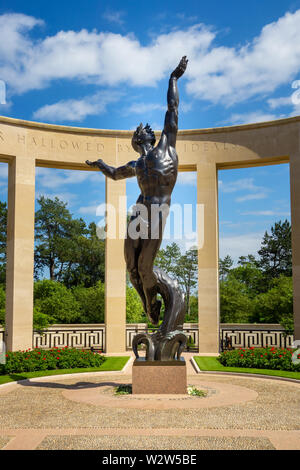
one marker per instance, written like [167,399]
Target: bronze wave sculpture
[156,171]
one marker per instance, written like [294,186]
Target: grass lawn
[110,364]
[209,363]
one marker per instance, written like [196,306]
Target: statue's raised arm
[171,120]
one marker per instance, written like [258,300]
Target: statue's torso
[156,175]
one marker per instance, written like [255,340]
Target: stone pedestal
[159,377]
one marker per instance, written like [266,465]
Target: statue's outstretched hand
[181,68]
[97,164]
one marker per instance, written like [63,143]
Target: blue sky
[106,65]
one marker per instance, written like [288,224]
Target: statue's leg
[132,249]
[145,268]
[149,249]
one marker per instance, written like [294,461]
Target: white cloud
[90,210]
[292,101]
[270,213]
[186,242]
[219,74]
[4,107]
[3,170]
[53,178]
[185,106]
[95,57]
[251,197]
[240,245]
[252,117]
[234,225]
[13,33]
[239,185]
[275,103]
[187,177]
[185,17]
[64,196]
[114,16]
[141,108]
[232,75]
[76,110]
[156,126]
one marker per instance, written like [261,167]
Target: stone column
[115,271]
[208,256]
[295,219]
[20,253]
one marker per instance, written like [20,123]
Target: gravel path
[155,443]
[38,405]
[4,441]
[42,405]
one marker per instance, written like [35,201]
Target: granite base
[159,377]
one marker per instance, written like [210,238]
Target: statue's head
[142,135]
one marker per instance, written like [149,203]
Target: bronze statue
[156,172]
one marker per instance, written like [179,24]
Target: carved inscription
[191,147]
[60,144]
[201,147]
[204,147]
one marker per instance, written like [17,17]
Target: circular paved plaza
[83,412]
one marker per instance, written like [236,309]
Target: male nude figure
[156,172]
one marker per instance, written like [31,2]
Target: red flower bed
[261,358]
[55,358]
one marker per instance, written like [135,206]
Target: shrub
[260,358]
[236,305]
[275,305]
[91,303]
[55,358]
[56,301]
[40,320]
[190,342]
[134,308]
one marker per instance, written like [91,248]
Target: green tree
[56,233]
[134,308]
[275,305]
[276,251]
[91,302]
[86,265]
[193,315]
[224,267]
[251,277]
[182,267]
[40,320]
[54,300]
[168,258]
[186,272]
[236,306]
[250,259]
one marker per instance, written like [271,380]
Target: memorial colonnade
[25,145]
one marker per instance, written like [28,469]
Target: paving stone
[4,440]
[154,443]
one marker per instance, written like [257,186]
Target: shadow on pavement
[76,386]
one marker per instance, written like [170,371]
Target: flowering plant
[260,358]
[55,358]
